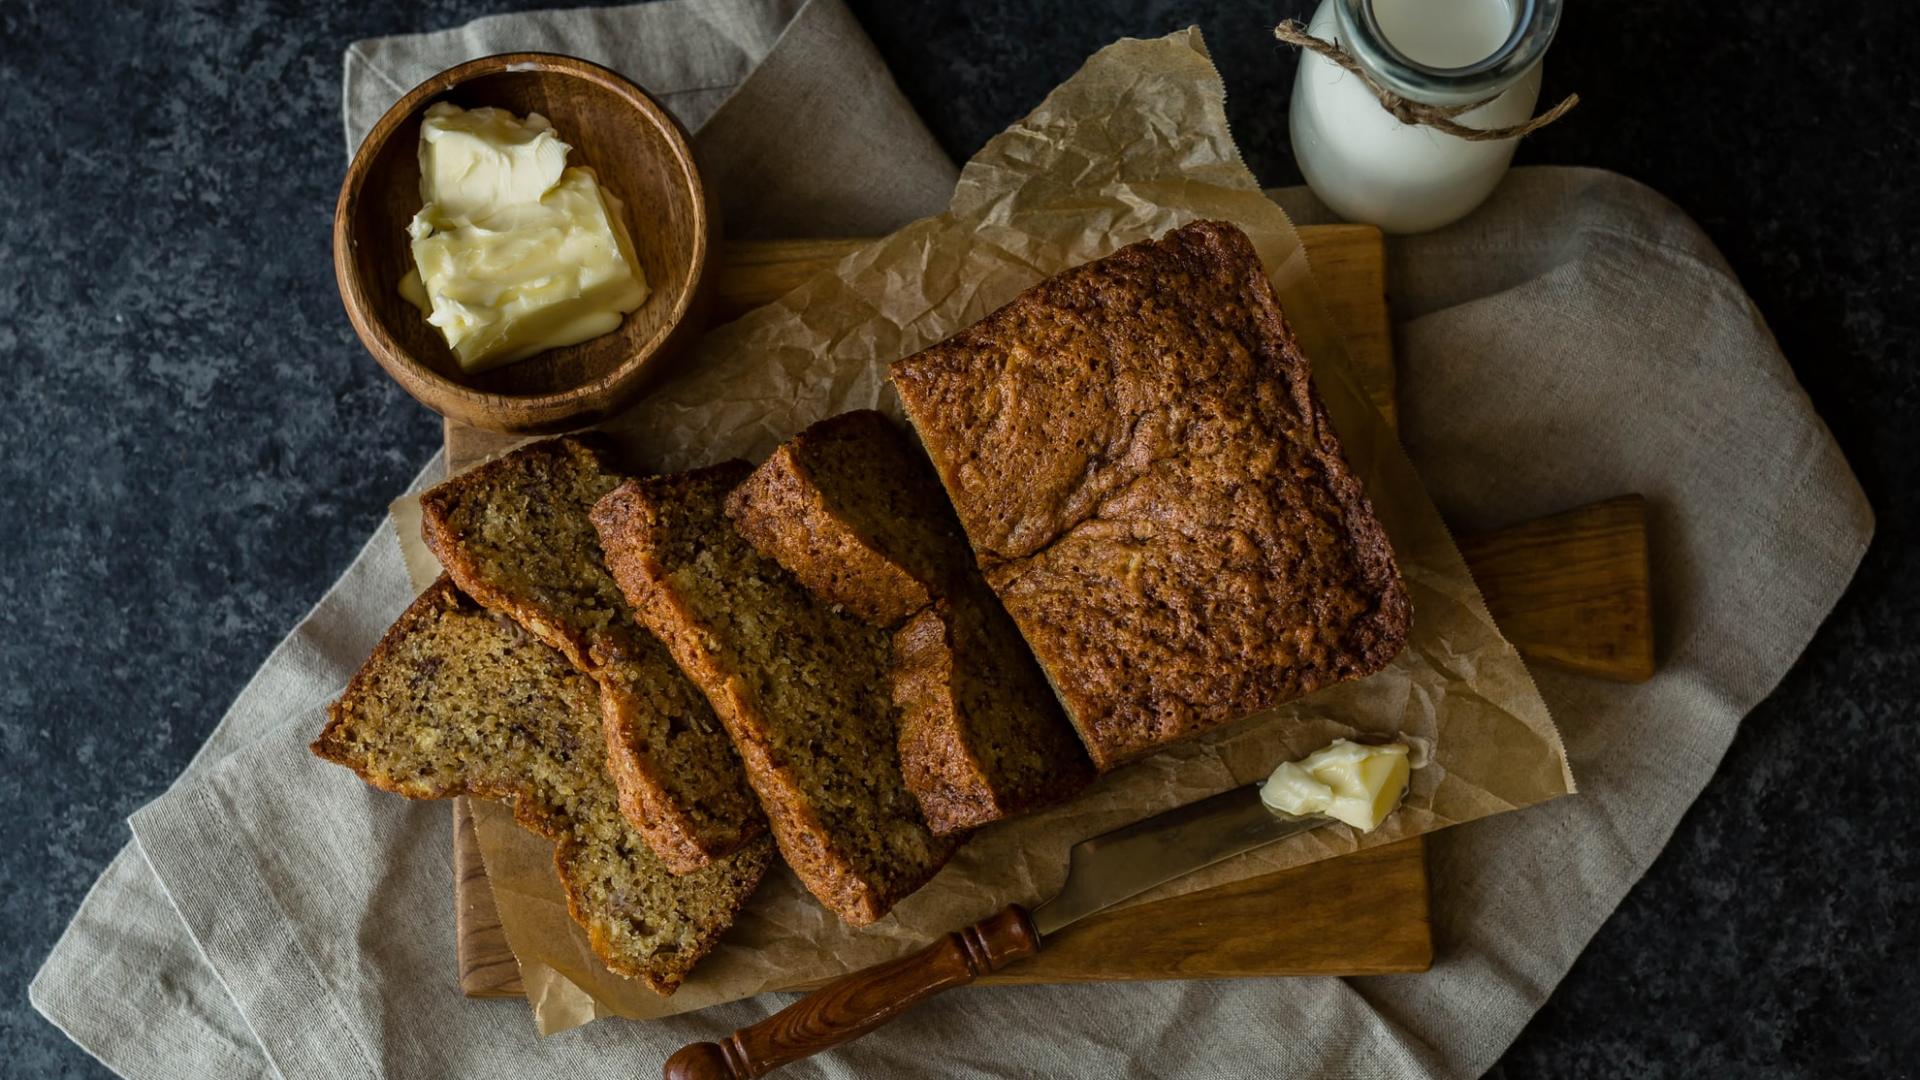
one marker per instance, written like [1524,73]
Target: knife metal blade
[1128,861]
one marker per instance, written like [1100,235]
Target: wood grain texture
[751,273]
[1372,904]
[1573,590]
[1350,265]
[468,446]
[855,1004]
[639,153]
[487,964]
[1361,914]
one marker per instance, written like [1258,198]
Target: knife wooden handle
[852,1005]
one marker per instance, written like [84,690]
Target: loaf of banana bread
[1154,490]
[515,535]
[851,509]
[799,682]
[456,700]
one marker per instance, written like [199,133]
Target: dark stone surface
[193,445]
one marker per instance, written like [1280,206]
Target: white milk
[1445,33]
[1370,167]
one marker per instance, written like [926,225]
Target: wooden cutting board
[1569,590]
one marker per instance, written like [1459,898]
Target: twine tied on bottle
[1438,117]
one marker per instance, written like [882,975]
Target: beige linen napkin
[1576,338]
[219,983]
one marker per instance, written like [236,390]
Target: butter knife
[1101,872]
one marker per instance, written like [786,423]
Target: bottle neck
[1409,67]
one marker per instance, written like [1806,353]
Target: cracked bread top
[1152,486]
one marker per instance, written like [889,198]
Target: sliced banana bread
[850,507]
[800,683]
[1152,486]
[515,535]
[456,700]
[982,737]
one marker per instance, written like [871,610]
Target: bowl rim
[419,378]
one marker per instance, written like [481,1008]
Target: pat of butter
[513,252]
[1347,781]
[475,161]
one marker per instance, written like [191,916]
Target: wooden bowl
[639,153]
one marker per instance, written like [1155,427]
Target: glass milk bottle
[1368,165]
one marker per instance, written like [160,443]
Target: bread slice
[455,700]
[851,509]
[515,535]
[982,737]
[800,683]
[1155,492]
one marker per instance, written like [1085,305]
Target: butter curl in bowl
[538,257]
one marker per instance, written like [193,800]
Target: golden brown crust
[798,684]
[853,512]
[851,509]
[453,702]
[513,533]
[1154,490]
[981,737]
[842,508]
[940,768]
